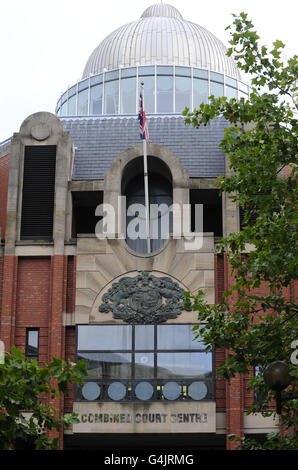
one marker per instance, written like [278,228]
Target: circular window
[171,391]
[197,390]
[144,391]
[91,391]
[117,391]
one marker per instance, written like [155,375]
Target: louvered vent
[38,192]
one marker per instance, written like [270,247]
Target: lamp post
[277,377]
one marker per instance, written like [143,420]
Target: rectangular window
[38,192]
[144,363]
[96,99]
[32,343]
[83,103]
[164,94]
[200,92]
[128,96]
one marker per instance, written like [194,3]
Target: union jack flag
[144,135]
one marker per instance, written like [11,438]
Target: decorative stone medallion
[144,299]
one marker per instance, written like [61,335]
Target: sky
[44,46]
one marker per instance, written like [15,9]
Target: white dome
[161,37]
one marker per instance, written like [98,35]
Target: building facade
[75,283]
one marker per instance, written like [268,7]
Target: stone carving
[144,299]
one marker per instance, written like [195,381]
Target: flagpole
[146,186]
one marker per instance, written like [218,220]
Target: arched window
[160,202]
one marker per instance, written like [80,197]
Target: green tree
[25,387]
[261,145]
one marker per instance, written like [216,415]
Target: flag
[144,135]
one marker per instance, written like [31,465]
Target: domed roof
[161,37]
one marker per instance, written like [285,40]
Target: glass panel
[243,87]
[217,77]
[96,99]
[83,85]
[231,92]
[64,97]
[177,337]
[64,109]
[144,365]
[164,94]
[187,365]
[144,391]
[183,93]
[231,82]
[171,391]
[96,80]
[72,91]
[146,71]
[183,71]
[33,339]
[112,75]
[117,391]
[111,97]
[200,92]
[128,96]
[83,103]
[107,365]
[149,93]
[197,390]
[198,73]
[164,70]
[216,89]
[72,105]
[131,72]
[91,391]
[104,337]
[144,337]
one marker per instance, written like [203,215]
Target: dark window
[212,210]
[160,201]
[84,206]
[38,192]
[144,363]
[32,343]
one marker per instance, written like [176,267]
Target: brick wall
[33,301]
[4,172]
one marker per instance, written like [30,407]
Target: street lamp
[277,377]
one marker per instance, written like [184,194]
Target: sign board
[178,417]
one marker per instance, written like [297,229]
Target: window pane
[164,94]
[111,97]
[96,80]
[177,337]
[32,343]
[83,103]
[72,91]
[104,337]
[128,96]
[231,92]
[72,105]
[83,85]
[131,72]
[200,73]
[164,70]
[146,71]
[144,365]
[183,93]
[231,82]
[107,365]
[149,93]
[218,77]
[96,99]
[200,92]
[64,109]
[216,89]
[243,87]
[144,337]
[187,365]
[112,75]
[182,71]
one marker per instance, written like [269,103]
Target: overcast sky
[44,46]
